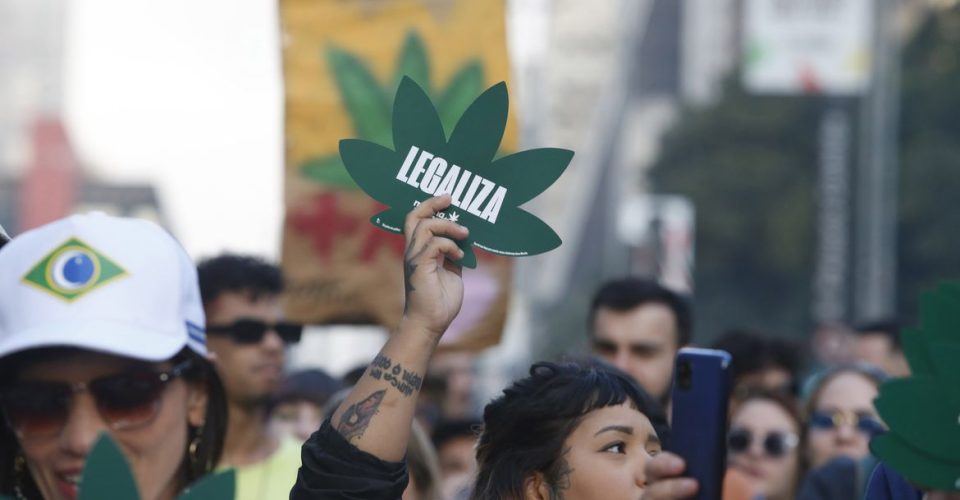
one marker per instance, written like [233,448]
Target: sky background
[186,95]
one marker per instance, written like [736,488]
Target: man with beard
[247,336]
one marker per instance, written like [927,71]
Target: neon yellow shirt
[271,478]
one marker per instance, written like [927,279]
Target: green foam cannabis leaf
[923,410]
[486,192]
[107,475]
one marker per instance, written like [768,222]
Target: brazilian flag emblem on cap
[73,269]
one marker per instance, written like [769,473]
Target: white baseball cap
[109,284]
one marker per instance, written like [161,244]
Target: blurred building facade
[41,178]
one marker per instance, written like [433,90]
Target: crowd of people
[106,326]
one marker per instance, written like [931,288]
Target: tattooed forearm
[405,381]
[356,418]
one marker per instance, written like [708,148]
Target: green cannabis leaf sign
[923,410]
[107,475]
[487,193]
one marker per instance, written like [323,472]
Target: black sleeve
[333,468]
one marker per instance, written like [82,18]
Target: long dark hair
[524,429]
[210,436]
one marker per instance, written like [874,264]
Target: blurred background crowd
[771,178]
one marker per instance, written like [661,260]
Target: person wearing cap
[102,331]
[247,335]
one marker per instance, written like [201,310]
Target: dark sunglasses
[36,408]
[826,421]
[251,331]
[775,444]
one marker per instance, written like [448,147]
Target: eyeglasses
[825,421]
[775,444]
[36,408]
[251,331]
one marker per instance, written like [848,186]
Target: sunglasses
[826,421]
[775,444]
[251,331]
[36,409]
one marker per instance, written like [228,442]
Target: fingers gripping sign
[432,276]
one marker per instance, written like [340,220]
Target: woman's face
[606,453]
[770,460]
[848,397]
[154,449]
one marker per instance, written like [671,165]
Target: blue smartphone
[701,393]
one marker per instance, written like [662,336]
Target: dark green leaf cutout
[478,133]
[425,131]
[485,195]
[915,350]
[107,474]
[220,486]
[920,468]
[930,429]
[923,410]
[514,171]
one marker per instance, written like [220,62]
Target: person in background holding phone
[764,443]
[247,335]
[638,326]
[101,331]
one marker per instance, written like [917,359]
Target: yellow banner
[343,60]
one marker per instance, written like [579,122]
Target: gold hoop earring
[194,448]
[19,469]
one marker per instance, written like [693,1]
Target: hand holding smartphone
[701,392]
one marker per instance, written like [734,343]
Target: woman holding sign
[101,332]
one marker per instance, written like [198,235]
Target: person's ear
[197,398]
[535,487]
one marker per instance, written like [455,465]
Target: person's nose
[82,426]
[272,341]
[640,476]
[846,432]
[621,359]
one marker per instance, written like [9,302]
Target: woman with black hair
[567,431]
[101,331]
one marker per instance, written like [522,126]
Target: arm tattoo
[357,417]
[405,381]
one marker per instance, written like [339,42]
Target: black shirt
[333,468]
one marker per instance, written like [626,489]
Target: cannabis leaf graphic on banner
[107,475]
[486,193]
[369,103]
[923,410]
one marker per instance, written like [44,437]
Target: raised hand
[434,287]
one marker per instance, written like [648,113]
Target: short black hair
[238,273]
[888,327]
[629,293]
[753,352]
[524,429]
